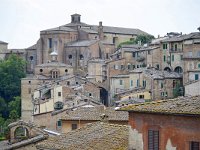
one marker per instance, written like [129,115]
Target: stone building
[167,124]
[161,84]
[47,73]
[79,42]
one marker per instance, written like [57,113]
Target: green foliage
[11,72]
[143,38]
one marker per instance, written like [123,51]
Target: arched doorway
[178,69]
[21,133]
[167,69]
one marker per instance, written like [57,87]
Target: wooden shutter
[153,140]
[194,145]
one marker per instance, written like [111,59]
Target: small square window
[59,93]
[74,126]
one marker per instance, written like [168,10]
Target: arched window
[41,70]
[21,133]
[31,58]
[178,69]
[66,70]
[81,57]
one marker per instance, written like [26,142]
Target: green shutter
[196,76]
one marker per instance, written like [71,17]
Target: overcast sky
[22,20]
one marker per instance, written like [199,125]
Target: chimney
[100,31]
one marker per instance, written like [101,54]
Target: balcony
[175,50]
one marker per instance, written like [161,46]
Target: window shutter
[153,140]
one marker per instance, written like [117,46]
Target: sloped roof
[120,30]
[60,28]
[177,106]
[96,136]
[157,74]
[2,42]
[95,113]
[180,38]
[83,43]
[32,47]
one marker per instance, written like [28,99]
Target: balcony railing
[176,50]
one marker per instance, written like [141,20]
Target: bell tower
[75,18]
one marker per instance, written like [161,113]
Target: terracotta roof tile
[98,136]
[94,113]
[177,106]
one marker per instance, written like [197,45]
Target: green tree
[143,38]
[14,108]
[11,72]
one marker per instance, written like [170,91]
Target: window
[164,46]
[153,140]
[106,55]
[59,93]
[133,54]
[137,83]
[172,57]
[194,145]
[120,82]
[198,65]
[161,85]
[41,70]
[144,83]
[131,83]
[70,56]
[68,82]
[90,94]
[74,126]
[59,123]
[81,57]
[54,74]
[66,70]
[114,40]
[129,66]
[157,66]
[196,76]
[29,82]
[50,42]
[141,96]
[164,58]
[31,57]
[181,57]
[133,66]
[122,67]
[175,47]
[149,52]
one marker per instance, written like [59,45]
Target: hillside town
[96,87]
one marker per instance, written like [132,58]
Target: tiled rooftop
[156,74]
[81,43]
[95,113]
[93,136]
[177,106]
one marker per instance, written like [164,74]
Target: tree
[14,108]
[11,72]
[143,38]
